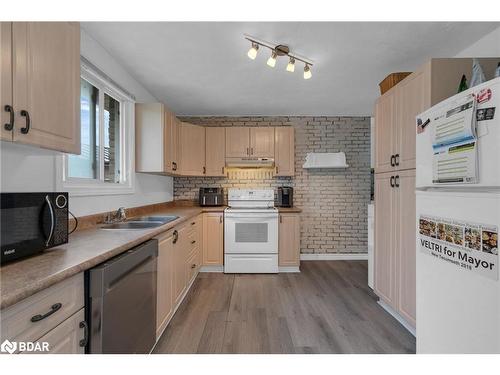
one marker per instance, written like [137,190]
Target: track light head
[271,61]
[291,65]
[252,52]
[307,72]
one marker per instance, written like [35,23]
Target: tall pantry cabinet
[395,221]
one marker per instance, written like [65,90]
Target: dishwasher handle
[108,273]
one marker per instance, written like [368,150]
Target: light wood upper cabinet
[412,98]
[165,278]
[5,79]
[385,224]
[262,142]
[237,142]
[156,139]
[215,151]
[289,240]
[46,84]
[213,239]
[385,131]
[284,151]
[405,244]
[191,150]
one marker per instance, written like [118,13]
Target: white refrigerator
[458,218]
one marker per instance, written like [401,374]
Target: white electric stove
[251,232]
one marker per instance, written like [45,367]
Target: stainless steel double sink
[143,222]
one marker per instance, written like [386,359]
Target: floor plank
[327,308]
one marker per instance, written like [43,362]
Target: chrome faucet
[118,216]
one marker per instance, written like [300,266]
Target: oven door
[251,232]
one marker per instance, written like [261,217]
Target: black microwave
[31,223]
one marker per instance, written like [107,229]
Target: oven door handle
[251,218]
[52,220]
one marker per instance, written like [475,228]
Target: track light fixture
[252,52]
[276,51]
[307,72]
[271,61]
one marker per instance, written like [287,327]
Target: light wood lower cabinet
[165,272]
[213,239]
[44,83]
[180,256]
[67,338]
[395,230]
[289,240]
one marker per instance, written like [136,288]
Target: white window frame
[86,186]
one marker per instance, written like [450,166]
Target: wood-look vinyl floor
[327,308]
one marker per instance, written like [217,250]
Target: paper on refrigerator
[454,142]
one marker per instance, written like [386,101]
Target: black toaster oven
[211,196]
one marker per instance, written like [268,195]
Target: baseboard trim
[339,256]
[289,269]
[398,317]
[217,269]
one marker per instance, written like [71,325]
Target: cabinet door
[168,141]
[289,240]
[284,151]
[192,150]
[164,300]
[405,244]
[180,255]
[66,337]
[237,142]
[385,131]
[412,98]
[5,79]
[213,239]
[262,142]
[46,82]
[215,151]
[385,262]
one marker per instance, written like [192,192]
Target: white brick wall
[333,202]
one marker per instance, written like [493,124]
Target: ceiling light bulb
[272,60]
[307,72]
[291,65]
[252,52]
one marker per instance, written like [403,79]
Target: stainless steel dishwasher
[121,302]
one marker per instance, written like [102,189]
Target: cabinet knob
[193,242]
[193,265]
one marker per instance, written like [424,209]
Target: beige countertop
[85,249]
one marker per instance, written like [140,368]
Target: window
[104,165]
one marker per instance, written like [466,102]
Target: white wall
[25,168]
[487,46]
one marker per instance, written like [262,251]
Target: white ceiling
[201,68]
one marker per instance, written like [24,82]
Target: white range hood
[250,162]
[325,160]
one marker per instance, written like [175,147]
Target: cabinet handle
[393,161]
[175,236]
[277,169]
[204,170]
[10,125]
[85,340]
[193,223]
[396,181]
[281,219]
[220,219]
[193,242]
[248,151]
[251,150]
[193,265]
[53,309]
[174,166]
[396,159]
[222,170]
[392,181]
[26,129]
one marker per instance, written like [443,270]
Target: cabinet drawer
[67,338]
[193,265]
[56,303]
